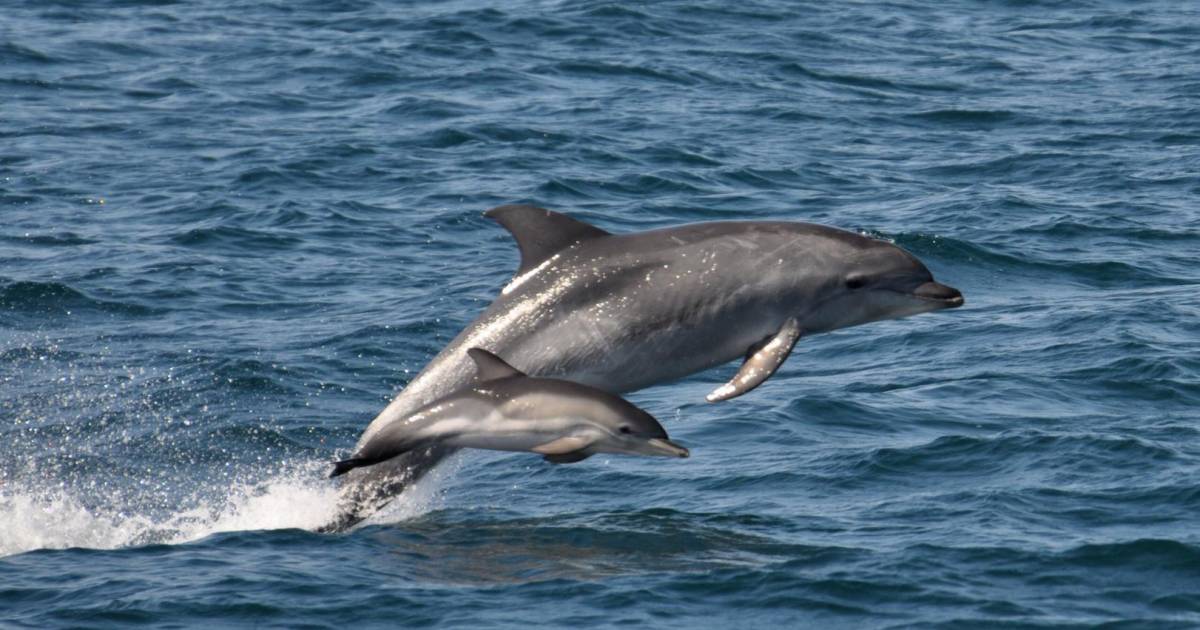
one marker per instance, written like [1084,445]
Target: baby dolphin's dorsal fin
[541,233]
[489,367]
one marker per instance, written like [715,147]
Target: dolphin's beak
[659,446]
[938,292]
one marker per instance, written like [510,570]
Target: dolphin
[620,312]
[506,410]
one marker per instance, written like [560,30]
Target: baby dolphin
[505,410]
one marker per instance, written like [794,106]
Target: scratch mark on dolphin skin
[517,281]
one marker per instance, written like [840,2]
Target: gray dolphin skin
[624,311]
[506,410]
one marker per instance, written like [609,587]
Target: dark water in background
[232,230]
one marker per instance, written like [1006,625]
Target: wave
[221,237]
[1061,228]
[16,54]
[972,118]
[969,457]
[863,81]
[1103,274]
[617,71]
[58,239]
[58,299]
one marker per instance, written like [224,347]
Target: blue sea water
[231,231]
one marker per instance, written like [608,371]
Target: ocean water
[231,231]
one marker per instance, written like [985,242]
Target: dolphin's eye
[856,282]
[624,428]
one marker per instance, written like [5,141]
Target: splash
[299,497]
[423,496]
[101,455]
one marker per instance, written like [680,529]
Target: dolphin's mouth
[939,293]
[661,446]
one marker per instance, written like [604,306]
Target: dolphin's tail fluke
[346,465]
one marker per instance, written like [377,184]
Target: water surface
[232,231]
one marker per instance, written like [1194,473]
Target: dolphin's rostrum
[624,311]
[506,410]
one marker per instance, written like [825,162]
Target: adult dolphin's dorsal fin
[761,362]
[489,367]
[541,233]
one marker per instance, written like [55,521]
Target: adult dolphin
[623,311]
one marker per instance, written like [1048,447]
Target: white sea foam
[300,497]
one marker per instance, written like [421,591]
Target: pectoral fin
[761,362]
[561,446]
[567,458]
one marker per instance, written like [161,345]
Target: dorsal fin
[489,367]
[541,233]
